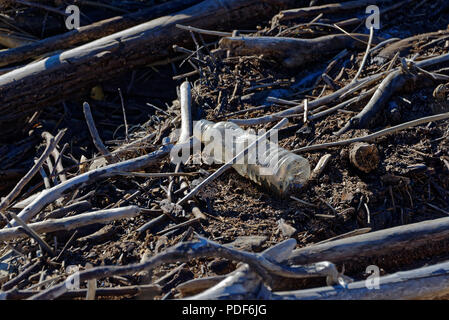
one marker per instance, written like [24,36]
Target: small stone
[248,243]
[364,156]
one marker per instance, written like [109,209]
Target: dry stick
[324,9]
[32,234]
[30,174]
[375,135]
[187,251]
[157,174]
[184,137]
[208,32]
[49,195]
[124,115]
[66,246]
[243,283]
[58,164]
[44,176]
[403,46]
[70,223]
[199,284]
[365,57]
[178,226]
[229,164]
[342,105]
[94,134]
[350,88]
[375,244]
[56,156]
[339,94]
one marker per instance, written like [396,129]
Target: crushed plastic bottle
[267,164]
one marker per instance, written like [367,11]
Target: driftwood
[405,45]
[265,264]
[339,94]
[375,135]
[49,195]
[51,145]
[90,32]
[378,243]
[70,223]
[393,83]
[292,52]
[313,11]
[72,72]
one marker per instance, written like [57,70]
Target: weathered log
[313,11]
[265,264]
[70,223]
[405,45]
[72,72]
[90,32]
[292,52]
[374,244]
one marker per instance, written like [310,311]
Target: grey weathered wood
[70,223]
[72,72]
[374,244]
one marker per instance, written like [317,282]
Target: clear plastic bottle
[267,164]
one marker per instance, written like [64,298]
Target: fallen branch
[313,11]
[263,264]
[51,145]
[378,243]
[292,52]
[70,223]
[375,135]
[405,45]
[49,195]
[94,134]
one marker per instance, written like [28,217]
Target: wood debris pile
[92,206]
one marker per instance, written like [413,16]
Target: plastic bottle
[273,167]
